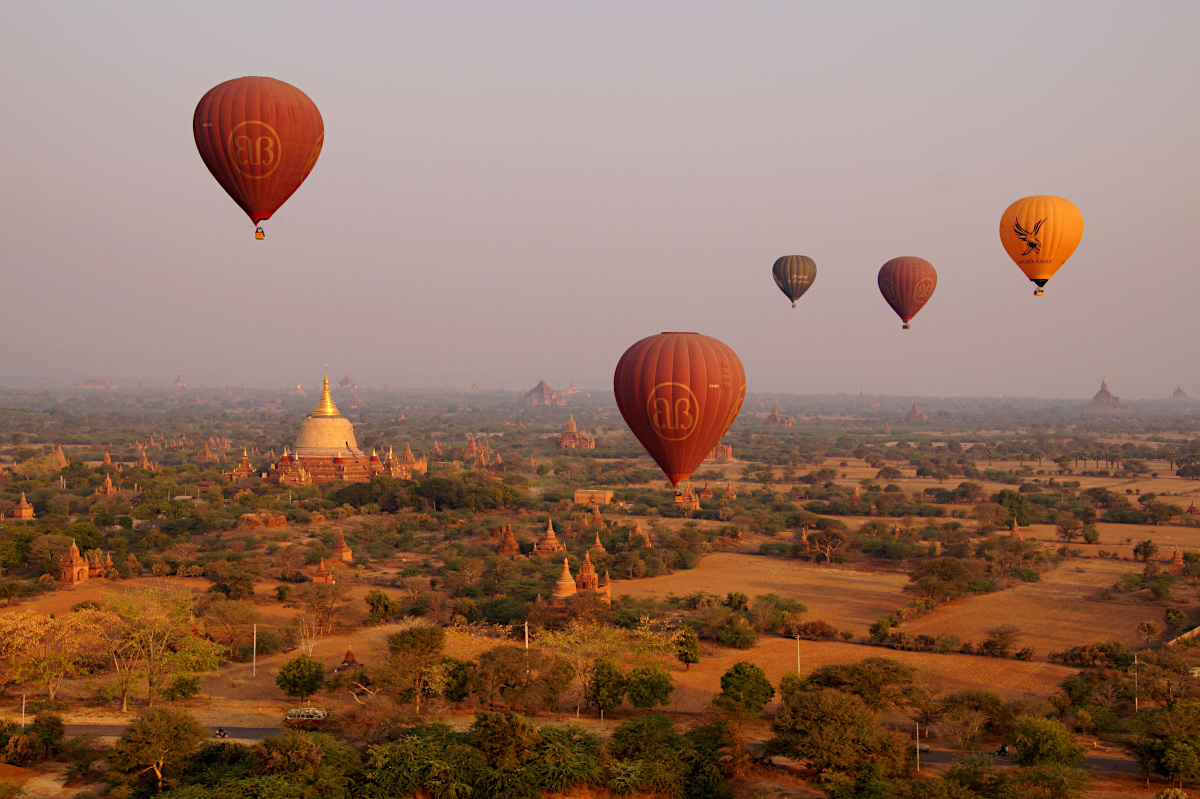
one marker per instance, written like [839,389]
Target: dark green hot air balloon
[794,274]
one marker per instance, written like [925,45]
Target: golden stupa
[325,432]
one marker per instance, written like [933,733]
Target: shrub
[738,634]
[817,631]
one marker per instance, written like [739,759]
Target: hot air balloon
[1040,233]
[679,393]
[907,284]
[260,137]
[794,274]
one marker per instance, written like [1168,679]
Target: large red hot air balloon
[260,137]
[907,284]
[679,393]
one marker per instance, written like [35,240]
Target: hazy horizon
[510,193]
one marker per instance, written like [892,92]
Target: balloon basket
[1038,292]
[906,326]
[258,234]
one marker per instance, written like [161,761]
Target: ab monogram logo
[924,290]
[673,411]
[254,148]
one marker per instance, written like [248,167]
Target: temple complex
[722,453]
[1104,402]
[549,544]
[327,452]
[298,391]
[592,496]
[686,498]
[541,395]
[73,568]
[597,546]
[729,493]
[571,438]
[706,493]
[775,420]
[23,509]
[242,470]
[106,489]
[341,550]
[1179,395]
[915,414]
[588,580]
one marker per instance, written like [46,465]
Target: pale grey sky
[517,191]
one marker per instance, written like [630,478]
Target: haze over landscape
[514,192]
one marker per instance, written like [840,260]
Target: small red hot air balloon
[679,393]
[260,137]
[907,284]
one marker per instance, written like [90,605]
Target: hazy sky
[515,191]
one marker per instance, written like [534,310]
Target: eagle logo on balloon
[1032,243]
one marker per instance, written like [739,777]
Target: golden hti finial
[325,406]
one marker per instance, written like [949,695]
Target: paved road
[114,730]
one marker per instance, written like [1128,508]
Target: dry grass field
[845,598]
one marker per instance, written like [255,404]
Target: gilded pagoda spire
[325,406]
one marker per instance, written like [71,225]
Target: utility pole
[22,711]
[1135,682]
[797,654]
[527,647]
[918,745]
[254,661]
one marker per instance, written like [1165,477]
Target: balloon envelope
[1040,233]
[260,137]
[907,284]
[679,393]
[794,274]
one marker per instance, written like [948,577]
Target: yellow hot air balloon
[1040,233]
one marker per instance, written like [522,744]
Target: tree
[58,647]
[745,690]
[1017,506]
[1145,550]
[230,620]
[606,686]
[414,658]
[583,644]
[234,579]
[1147,630]
[301,676]
[833,731]
[881,683]
[1176,620]
[648,686]
[1069,527]
[151,639]
[321,603]
[1039,741]
[687,647]
[382,606]
[1052,780]
[158,740]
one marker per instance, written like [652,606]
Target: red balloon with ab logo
[907,284]
[679,393]
[260,137]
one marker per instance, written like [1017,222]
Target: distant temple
[588,580]
[915,414]
[327,452]
[592,496]
[322,575]
[549,544]
[341,550]
[572,390]
[298,391]
[509,548]
[638,537]
[686,498]
[24,510]
[571,438]
[541,395]
[1104,401]
[775,420]
[722,453]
